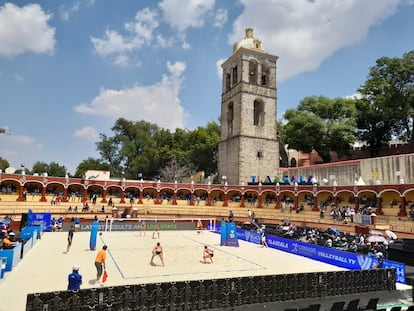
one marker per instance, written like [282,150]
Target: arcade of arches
[398,198]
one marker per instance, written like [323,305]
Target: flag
[105,276]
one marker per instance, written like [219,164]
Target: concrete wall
[384,170]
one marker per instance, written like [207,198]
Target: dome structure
[249,42]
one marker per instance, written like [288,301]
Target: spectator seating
[338,306]
[352,305]
[371,305]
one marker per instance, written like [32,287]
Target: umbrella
[5,221]
[376,238]
[391,234]
[335,230]
[375,232]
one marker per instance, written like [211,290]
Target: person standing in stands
[380,261]
[100,263]
[231,216]
[74,279]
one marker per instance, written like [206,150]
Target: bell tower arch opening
[258,113]
[248,141]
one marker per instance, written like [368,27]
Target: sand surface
[47,265]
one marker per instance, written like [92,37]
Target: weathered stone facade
[248,142]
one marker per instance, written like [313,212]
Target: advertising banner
[40,219]
[362,219]
[223,233]
[339,258]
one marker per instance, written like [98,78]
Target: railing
[216,293]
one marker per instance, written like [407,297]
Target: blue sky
[70,69]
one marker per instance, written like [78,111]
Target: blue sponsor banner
[93,236]
[39,219]
[343,259]
[223,231]
[232,239]
[228,234]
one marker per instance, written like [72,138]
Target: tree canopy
[320,124]
[386,109]
[52,169]
[139,148]
[3,164]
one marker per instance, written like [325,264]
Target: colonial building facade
[248,149]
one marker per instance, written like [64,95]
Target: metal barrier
[215,293]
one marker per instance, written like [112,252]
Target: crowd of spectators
[331,237]
[8,237]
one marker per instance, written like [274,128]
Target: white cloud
[164,42]
[305,33]
[18,78]
[87,132]
[219,70]
[25,29]
[183,16]
[90,2]
[220,18]
[138,33]
[186,45]
[356,95]
[158,103]
[19,148]
[66,11]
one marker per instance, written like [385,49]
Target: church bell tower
[248,142]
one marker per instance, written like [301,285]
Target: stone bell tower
[248,142]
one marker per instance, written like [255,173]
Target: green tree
[40,168]
[373,129]
[3,164]
[52,169]
[203,147]
[132,149]
[57,170]
[91,164]
[386,109]
[139,147]
[320,124]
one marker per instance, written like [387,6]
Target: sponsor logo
[364,262]
[252,237]
[278,244]
[333,257]
[303,249]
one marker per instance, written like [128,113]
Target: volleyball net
[151,224]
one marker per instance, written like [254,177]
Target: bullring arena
[46,266]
